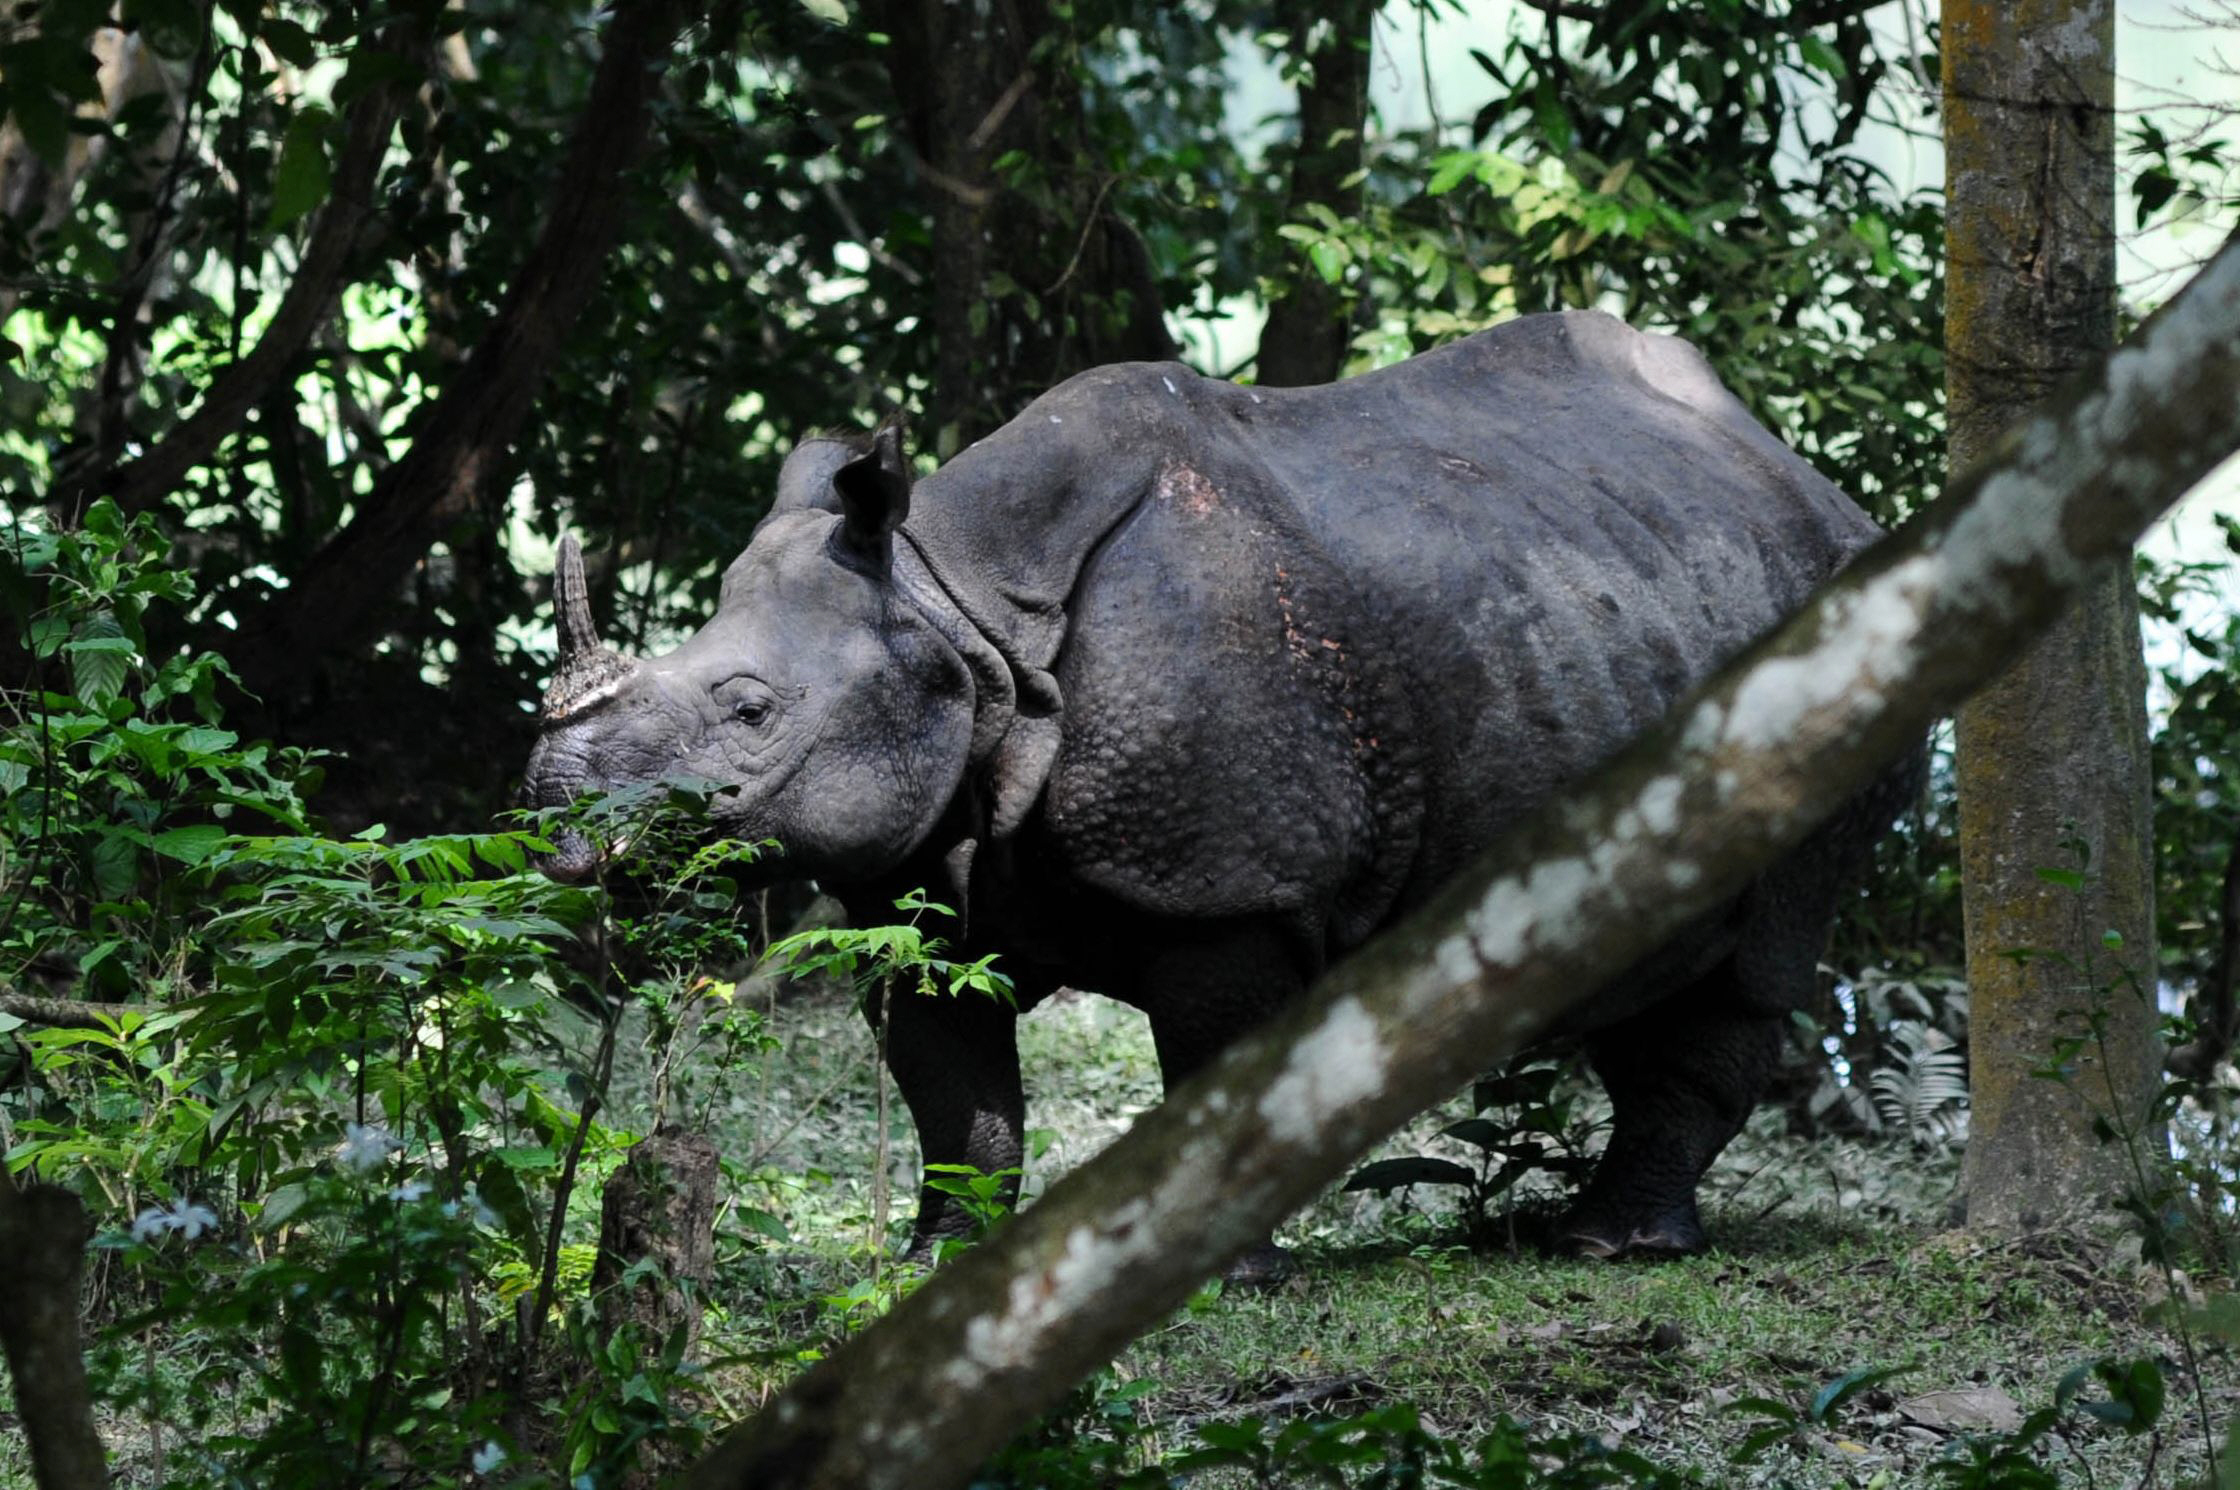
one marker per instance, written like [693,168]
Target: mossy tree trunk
[44,1231]
[2053,755]
[1663,833]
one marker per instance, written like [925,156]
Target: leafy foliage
[1922,1090]
[1537,1129]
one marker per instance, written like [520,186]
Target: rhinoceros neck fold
[1016,705]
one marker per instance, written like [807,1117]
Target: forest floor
[1830,1256]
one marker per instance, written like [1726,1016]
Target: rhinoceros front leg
[957,1063]
[1682,1078]
[1204,988]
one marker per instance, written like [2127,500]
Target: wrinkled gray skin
[1182,689]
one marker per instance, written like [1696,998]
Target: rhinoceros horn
[590,671]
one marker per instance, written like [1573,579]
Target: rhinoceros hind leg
[1682,1078]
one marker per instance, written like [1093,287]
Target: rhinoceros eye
[747,700]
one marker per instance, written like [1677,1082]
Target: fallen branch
[1669,830]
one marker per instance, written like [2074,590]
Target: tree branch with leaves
[306,307]
[460,449]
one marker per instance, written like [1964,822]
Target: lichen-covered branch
[1668,830]
[68,1014]
[43,1234]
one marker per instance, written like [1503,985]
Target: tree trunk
[1032,283]
[1666,831]
[660,1207]
[1308,330]
[43,1232]
[2053,755]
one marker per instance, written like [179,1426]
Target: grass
[1830,1256]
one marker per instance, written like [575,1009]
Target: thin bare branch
[461,447]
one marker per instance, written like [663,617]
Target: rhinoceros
[1177,689]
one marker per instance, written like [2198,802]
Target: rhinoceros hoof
[1265,1266]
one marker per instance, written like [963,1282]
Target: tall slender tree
[1306,335]
[2056,847]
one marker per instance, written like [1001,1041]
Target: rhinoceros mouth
[574,858]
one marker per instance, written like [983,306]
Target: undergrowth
[344,1111]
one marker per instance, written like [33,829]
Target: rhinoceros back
[1320,645]
[1565,523]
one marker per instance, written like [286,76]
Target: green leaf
[1397,1174]
[830,11]
[761,1223]
[41,116]
[302,179]
[172,27]
[2067,879]
[100,656]
[1484,1132]
[2135,1392]
[1847,1386]
[280,1205]
[189,845]
[1448,172]
[1516,1089]
[1765,1407]
[1757,1443]
[116,864]
[1819,56]
[289,41]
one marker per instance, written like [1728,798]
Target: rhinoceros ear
[805,480]
[874,493]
